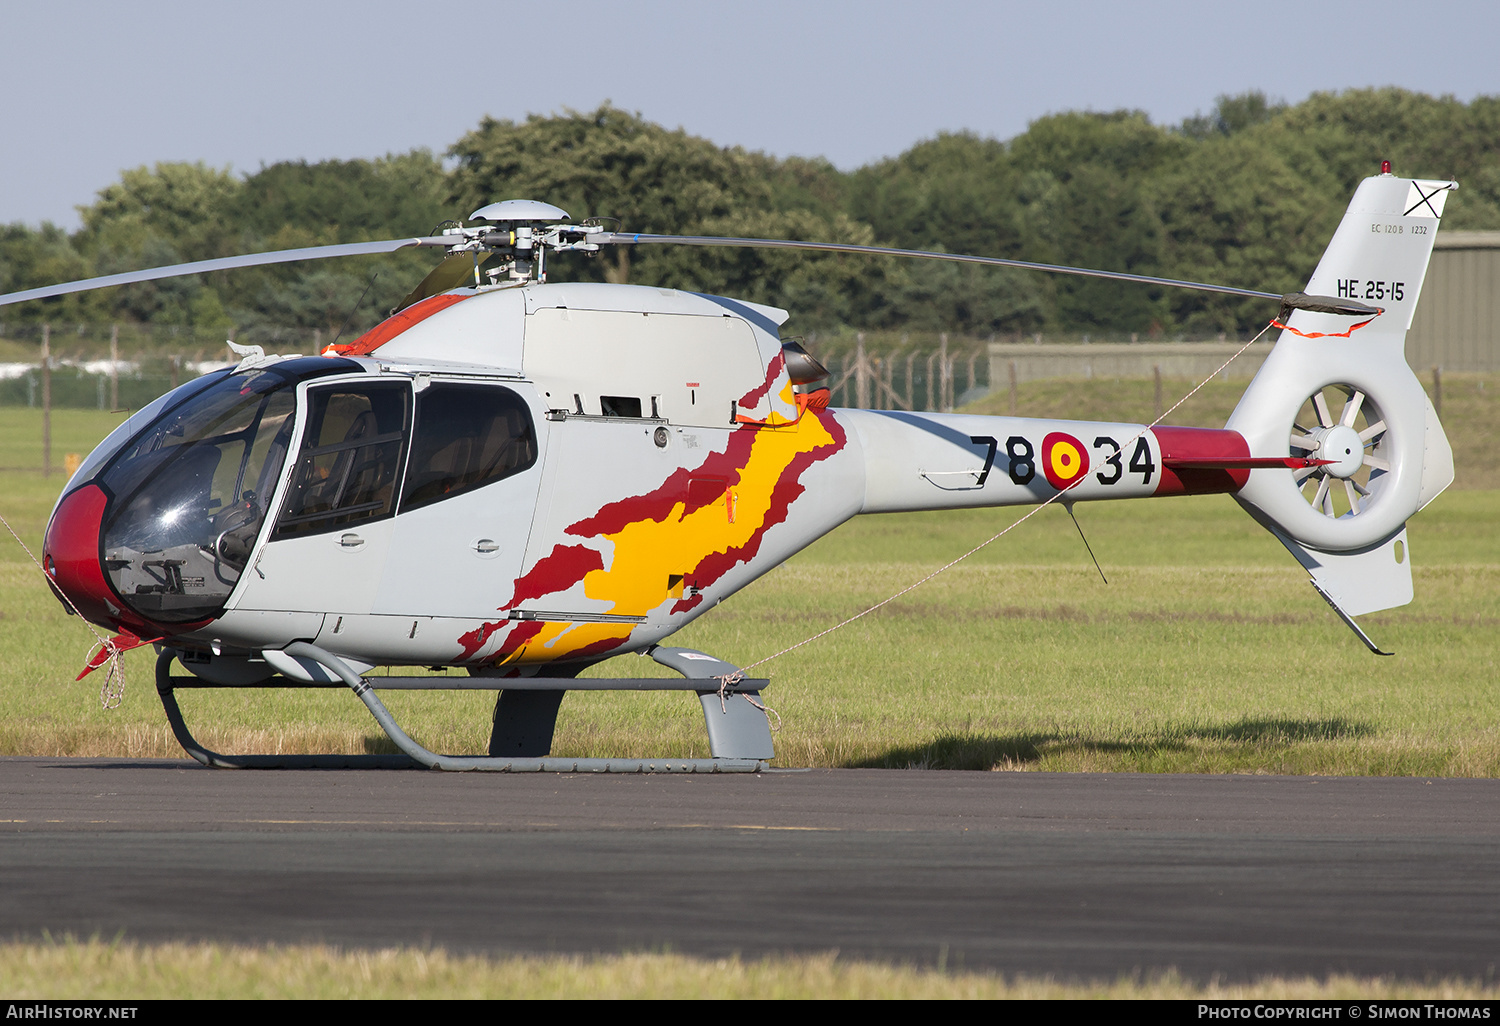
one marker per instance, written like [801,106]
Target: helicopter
[522,478]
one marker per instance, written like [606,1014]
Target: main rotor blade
[280,256]
[632,239]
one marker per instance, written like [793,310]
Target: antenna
[353,308]
[1069,507]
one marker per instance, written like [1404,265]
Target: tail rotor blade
[1325,418]
[1353,495]
[1351,409]
[1323,500]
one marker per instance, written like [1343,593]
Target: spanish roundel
[1064,459]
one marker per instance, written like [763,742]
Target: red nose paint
[70,555]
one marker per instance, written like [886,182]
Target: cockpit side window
[350,464]
[467,436]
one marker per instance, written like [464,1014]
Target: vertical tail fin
[1337,389]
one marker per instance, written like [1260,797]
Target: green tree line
[1247,194]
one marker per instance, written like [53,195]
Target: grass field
[1207,651]
[129,972]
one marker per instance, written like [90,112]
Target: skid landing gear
[739,735]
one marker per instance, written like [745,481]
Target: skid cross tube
[730,727]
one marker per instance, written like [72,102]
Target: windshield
[188,495]
[132,424]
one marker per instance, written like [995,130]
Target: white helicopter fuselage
[670,461]
[521,476]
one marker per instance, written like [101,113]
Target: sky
[88,89]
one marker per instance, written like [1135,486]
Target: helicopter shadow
[1000,751]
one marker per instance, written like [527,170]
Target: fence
[1190,361]
[902,374]
[942,372]
[92,340]
[125,367]
[119,366]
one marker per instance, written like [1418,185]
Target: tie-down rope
[112,692]
[735,677]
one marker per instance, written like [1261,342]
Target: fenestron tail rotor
[1351,443]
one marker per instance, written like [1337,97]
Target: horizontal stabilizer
[1241,462]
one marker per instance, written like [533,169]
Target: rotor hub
[1344,447]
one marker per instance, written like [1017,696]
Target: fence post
[1012,388]
[945,377]
[114,366]
[1156,375]
[46,400]
[1437,390]
[861,373]
[911,388]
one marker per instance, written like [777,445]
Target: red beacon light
[1385,167]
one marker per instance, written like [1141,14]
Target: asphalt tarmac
[1075,875]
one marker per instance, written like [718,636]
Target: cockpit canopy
[188,495]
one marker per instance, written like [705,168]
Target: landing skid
[739,734]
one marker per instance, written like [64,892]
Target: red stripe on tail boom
[1201,461]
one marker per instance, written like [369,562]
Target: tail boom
[925,461]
